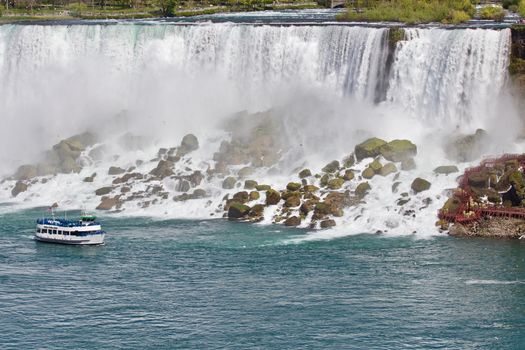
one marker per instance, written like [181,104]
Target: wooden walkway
[465,214]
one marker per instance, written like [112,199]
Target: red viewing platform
[467,213]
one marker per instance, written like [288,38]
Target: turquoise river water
[222,285]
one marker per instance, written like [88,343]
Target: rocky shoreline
[493,227]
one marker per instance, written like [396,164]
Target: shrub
[521,8]
[76,8]
[457,17]
[495,13]
[413,11]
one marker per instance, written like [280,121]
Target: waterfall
[332,86]
[450,76]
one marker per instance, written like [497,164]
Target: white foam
[483,282]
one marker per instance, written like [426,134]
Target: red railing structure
[467,213]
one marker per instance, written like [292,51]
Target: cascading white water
[450,76]
[59,77]
[174,79]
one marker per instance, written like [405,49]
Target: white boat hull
[64,239]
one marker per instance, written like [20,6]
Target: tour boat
[85,231]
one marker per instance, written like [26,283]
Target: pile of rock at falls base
[315,200]
[335,194]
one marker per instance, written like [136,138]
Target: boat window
[44,230]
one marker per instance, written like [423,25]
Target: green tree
[167,7]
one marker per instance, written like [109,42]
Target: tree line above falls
[407,11]
[102,9]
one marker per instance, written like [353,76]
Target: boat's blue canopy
[64,222]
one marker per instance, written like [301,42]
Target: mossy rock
[199,193]
[336,183]
[362,189]
[324,180]
[69,165]
[246,171]
[322,208]
[90,178]
[229,183]
[446,169]
[375,166]
[250,184]
[46,169]
[305,173]
[272,197]
[293,186]
[388,169]
[238,210]
[292,221]
[402,201]
[65,149]
[81,141]
[308,206]
[349,161]
[163,169]
[327,223]
[479,180]
[369,148]
[420,185]
[408,164]
[368,173]
[398,150]
[254,195]
[103,191]
[292,202]
[257,210]
[19,188]
[451,205]
[395,186]
[287,194]
[188,144]
[263,187]
[26,172]
[115,170]
[310,188]
[466,148]
[107,203]
[241,197]
[349,175]
[331,167]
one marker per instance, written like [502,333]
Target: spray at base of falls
[328,87]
